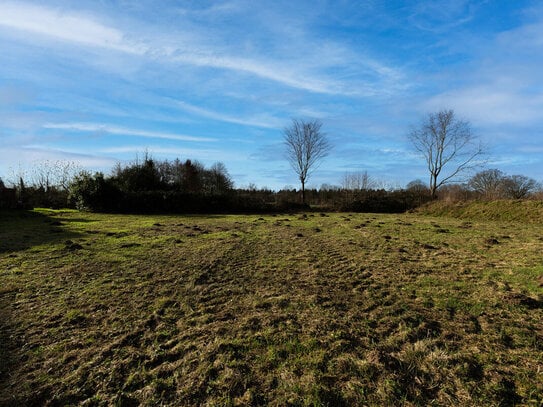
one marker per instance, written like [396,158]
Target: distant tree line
[46,184]
[188,187]
[494,184]
[145,185]
[149,185]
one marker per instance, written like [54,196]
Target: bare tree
[519,186]
[306,145]
[58,174]
[356,184]
[488,183]
[357,181]
[446,143]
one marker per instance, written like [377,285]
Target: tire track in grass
[140,354]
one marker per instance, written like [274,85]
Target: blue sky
[98,82]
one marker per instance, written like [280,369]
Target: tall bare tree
[446,143]
[306,145]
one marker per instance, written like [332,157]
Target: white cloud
[439,16]
[123,131]
[258,120]
[291,69]
[22,157]
[85,31]
[266,70]
[531,149]
[525,37]
[489,105]
[63,26]
[501,86]
[182,153]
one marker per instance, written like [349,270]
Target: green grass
[302,310]
[526,211]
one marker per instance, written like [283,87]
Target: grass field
[308,309]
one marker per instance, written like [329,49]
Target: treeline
[189,187]
[491,185]
[45,185]
[149,185]
[154,186]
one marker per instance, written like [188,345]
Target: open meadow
[306,309]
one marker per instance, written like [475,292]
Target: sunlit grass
[299,309]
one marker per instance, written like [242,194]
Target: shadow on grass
[20,230]
[7,344]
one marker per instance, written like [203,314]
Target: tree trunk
[433,192]
[433,186]
[303,192]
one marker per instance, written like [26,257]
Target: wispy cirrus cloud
[156,78]
[502,86]
[123,131]
[261,120]
[491,105]
[63,26]
[439,16]
[14,157]
[194,48]
[271,71]
[182,153]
